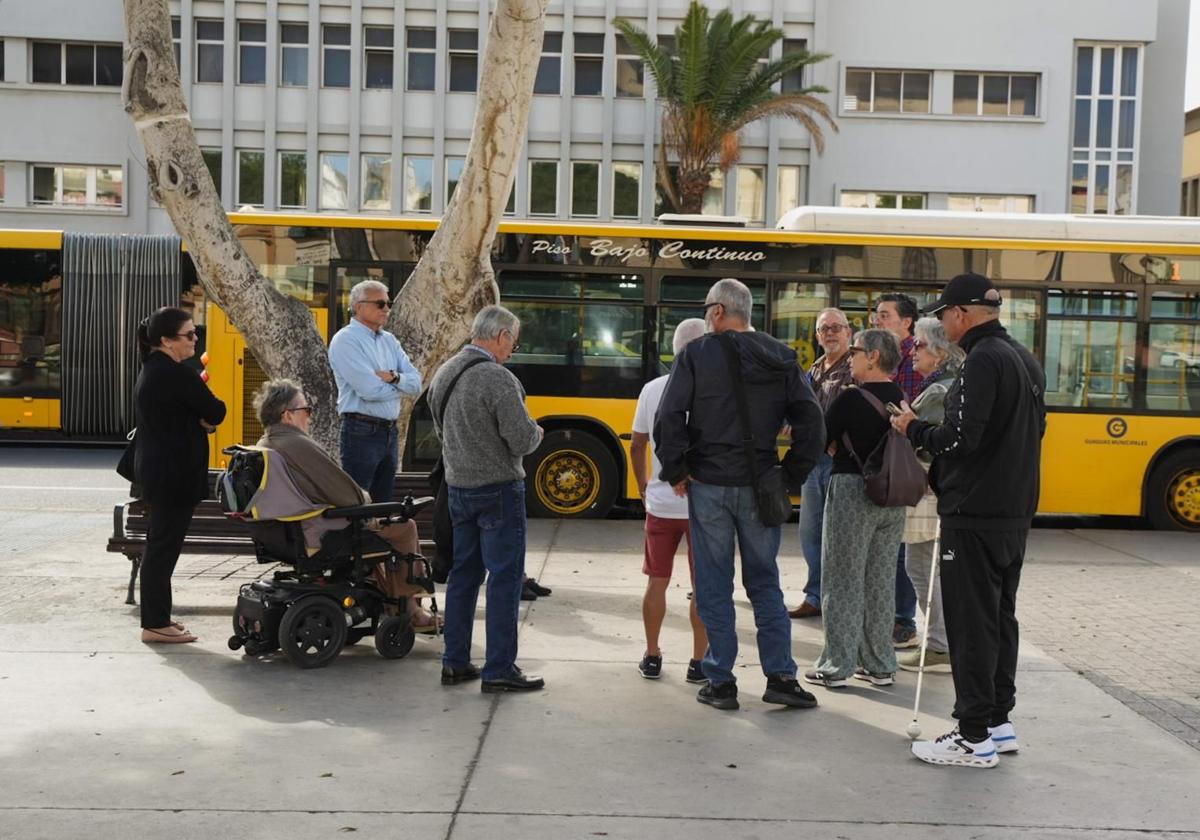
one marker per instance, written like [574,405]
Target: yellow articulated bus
[1111,306]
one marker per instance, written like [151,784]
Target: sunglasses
[709,306]
[190,335]
[381,304]
[306,408]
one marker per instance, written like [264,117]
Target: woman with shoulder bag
[937,359]
[175,414]
[860,539]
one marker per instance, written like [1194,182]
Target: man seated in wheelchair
[285,415]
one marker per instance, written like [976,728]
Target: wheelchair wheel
[313,632]
[394,637]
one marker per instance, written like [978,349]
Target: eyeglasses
[941,313]
[918,344]
[190,335]
[854,350]
[381,304]
[709,306]
[305,408]
[515,346]
[831,328]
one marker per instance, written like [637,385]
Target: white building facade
[366,106]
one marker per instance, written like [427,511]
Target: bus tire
[571,475]
[1173,493]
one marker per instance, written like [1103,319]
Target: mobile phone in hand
[893,409]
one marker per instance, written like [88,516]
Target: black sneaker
[723,696]
[695,674]
[784,690]
[454,676]
[537,588]
[651,666]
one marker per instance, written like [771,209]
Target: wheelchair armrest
[365,511]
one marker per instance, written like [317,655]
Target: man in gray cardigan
[479,413]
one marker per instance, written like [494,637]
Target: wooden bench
[211,532]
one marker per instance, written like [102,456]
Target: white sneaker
[953,748]
[1004,737]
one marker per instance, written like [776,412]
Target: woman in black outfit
[860,539]
[175,414]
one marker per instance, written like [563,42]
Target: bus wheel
[1173,496]
[572,474]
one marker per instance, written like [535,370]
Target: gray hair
[273,398]
[885,343]
[833,310]
[734,296]
[985,312]
[933,334]
[491,321]
[689,330]
[359,291]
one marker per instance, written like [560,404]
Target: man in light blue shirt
[372,374]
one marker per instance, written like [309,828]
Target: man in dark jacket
[986,464]
[699,441]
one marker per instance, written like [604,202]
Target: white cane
[914,728]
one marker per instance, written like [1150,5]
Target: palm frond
[739,62]
[799,107]
[653,56]
[691,44]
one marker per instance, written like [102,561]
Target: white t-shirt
[660,497]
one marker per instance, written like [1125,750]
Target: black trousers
[164,539]
[980,572]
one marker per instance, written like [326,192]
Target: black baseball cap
[968,289]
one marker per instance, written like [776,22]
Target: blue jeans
[369,456]
[489,536]
[906,595]
[812,515]
[717,515]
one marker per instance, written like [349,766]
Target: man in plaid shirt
[897,313]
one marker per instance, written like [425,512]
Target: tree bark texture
[454,279]
[278,329]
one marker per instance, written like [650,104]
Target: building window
[210,51]
[334,189]
[1189,199]
[883,200]
[376,182]
[177,44]
[57,63]
[293,57]
[631,74]
[751,199]
[252,52]
[418,184]
[549,72]
[250,178]
[589,64]
[464,59]
[991,203]
[84,187]
[1104,145]
[454,170]
[887,91]
[378,42]
[335,42]
[212,160]
[793,82]
[995,95]
[422,57]
[585,188]
[543,188]
[293,180]
[787,189]
[627,190]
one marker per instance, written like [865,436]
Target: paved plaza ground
[106,737]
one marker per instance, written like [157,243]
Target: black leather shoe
[528,594]
[516,681]
[537,588]
[454,676]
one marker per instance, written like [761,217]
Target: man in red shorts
[666,524]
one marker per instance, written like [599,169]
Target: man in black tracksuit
[986,464]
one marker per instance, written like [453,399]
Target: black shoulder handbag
[443,528]
[125,467]
[770,489]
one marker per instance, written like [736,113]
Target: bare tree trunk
[454,279]
[279,330]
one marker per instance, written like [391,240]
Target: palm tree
[714,85]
